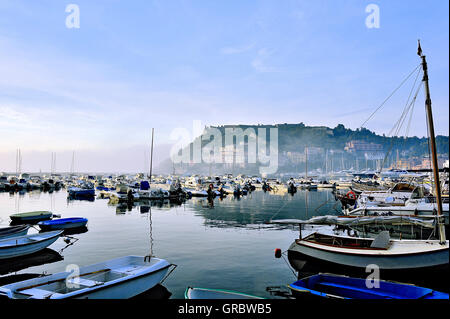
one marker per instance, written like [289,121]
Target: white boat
[119,278]
[356,252]
[13,231]
[197,192]
[28,244]
[412,207]
[386,253]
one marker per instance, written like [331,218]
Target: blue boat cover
[355,288]
[63,221]
[145,185]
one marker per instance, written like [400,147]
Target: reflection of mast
[150,209]
[306,162]
[306,203]
[433,149]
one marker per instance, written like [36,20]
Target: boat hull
[297,254]
[64,225]
[13,231]
[31,218]
[27,248]
[119,278]
[335,286]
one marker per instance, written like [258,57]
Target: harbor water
[225,243]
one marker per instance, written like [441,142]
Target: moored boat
[28,244]
[343,287]
[208,293]
[119,278]
[63,223]
[31,217]
[13,231]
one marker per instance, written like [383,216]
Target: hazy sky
[134,65]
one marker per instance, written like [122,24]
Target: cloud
[259,62]
[237,50]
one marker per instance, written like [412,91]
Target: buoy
[277,252]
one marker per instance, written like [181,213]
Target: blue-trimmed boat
[208,293]
[63,223]
[13,231]
[343,287]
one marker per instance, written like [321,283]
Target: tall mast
[151,158]
[434,161]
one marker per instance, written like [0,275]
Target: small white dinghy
[28,244]
[119,278]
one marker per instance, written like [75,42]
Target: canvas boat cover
[358,221]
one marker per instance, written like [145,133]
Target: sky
[136,65]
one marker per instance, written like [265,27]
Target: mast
[72,165]
[434,161]
[151,158]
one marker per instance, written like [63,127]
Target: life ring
[350,195]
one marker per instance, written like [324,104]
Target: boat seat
[128,270]
[370,291]
[37,293]
[84,282]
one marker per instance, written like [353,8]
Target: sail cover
[358,221]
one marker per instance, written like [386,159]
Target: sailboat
[386,253]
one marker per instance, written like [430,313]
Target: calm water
[225,244]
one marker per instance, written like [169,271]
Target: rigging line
[401,84]
[279,210]
[399,124]
[407,105]
[402,119]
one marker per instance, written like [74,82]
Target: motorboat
[27,244]
[119,278]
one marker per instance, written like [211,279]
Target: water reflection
[45,256]
[256,209]
[157,292]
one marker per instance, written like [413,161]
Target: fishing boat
[78,192]
[63,223]
[412,207]
[388,254]
[28,244]
[353,252]
[197,192]
[208,293]
[13,231]
[31,217]
[343,287]
[119,278]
